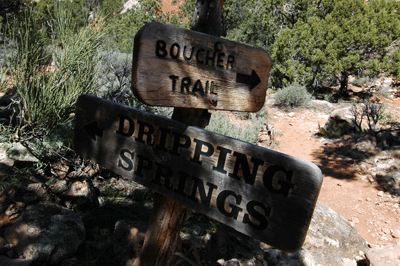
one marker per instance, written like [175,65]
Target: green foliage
[384,90]
[186,13]
[294,95]
[395,69]
[6,134]
[122,28]
[329,97]
[110,7]
[48,97]
[332,130]
[362,81]
[346,37]
[220,123]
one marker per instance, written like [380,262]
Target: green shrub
[220,123]
[329,97]
[384,91]
[360,82]
[49,92]
[294,95]
[372,115]
[110,7]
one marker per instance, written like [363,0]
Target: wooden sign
[177,67]
[267,195]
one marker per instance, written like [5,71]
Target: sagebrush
[294,95]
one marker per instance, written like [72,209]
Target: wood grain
[177,67]
[267,195]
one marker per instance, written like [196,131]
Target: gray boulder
[340,122]
[384,256]
[46,232]
[322,105]
[19,152]
[331,238]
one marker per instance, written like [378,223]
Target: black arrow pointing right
[252,80]
[93,130]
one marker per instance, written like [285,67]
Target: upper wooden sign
[177,67]
[267,195]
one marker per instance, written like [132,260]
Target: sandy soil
[345,188]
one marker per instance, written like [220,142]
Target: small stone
[348,262]
[20,153]
[381,194]
[355,220]
[370,178]
[386,231]
[395,233]
[368,199]
[291,114]
[346,137]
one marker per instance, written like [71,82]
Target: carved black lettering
[165,172]
[220,60]
[127,163]
[174,79]
[223,152]
[199,51]
[131,126]
[242,163]
[230,62]
[185,84]
[199,150]
[161,50]
[198,87]
[261,220]
[283,177]
[143,163]
[210,58]
[174,51]
[198,185]
[221,204]
[163,139]
[184,53]
[178,138]
[145,129]
[182,183]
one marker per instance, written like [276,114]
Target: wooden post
[169,216]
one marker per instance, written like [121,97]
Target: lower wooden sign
[264,194]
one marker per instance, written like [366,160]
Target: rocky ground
[356,187]
[89,216]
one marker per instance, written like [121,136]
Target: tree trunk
[169,216]
[344,80]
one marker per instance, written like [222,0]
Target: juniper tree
[351,38]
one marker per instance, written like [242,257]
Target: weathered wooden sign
[267,195]
[177,67]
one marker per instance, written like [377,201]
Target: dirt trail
[344,189]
